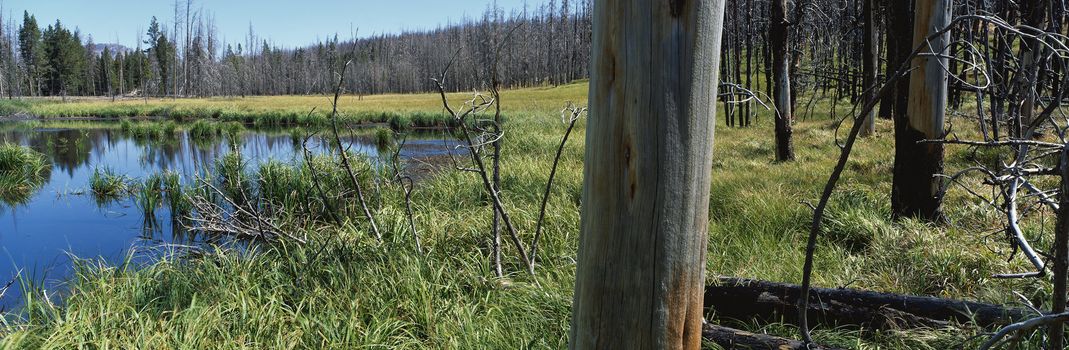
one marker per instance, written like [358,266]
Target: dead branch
[345,156]
[570,115]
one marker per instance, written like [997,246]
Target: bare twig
[570,115]
[345,156]
[1022,326]
[475,105]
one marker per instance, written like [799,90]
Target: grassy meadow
[342,289]
[399,110]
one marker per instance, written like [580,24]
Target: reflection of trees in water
[67,148]
[72,148]
[161,154]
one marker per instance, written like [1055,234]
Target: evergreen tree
[32,51]
[116,74]
[163,50]
[64,60]
[137,71]
[103,72]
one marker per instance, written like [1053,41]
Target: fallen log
[730,338]
[746,299]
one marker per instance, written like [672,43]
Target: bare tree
[779,40]
[641,268]
[871,63]
[915,188]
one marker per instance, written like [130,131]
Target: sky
[284,23]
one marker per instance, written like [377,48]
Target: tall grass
[384,138]
[149,130]
[233,179]
[399,111]
[209,130]
[148,195]
[10,107]
[177,201]
[343,290]
[22,172]
[106,185]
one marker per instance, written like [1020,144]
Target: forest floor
[344,290]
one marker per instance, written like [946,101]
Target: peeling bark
[640,274]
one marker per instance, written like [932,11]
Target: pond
[42,234]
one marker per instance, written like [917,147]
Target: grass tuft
[22,172]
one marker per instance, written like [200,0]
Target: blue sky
[286,23]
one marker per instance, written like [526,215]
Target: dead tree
[1015,180]
[871,64]
[915,188]
[641,265]
[744,300]
[779,40]
[475,135]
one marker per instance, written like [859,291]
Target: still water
[62,221]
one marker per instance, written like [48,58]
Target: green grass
[149,130]
[344,290]
[203,129]
[106,185]
[383,137]
[400,111]
[148,196]
[177,201]
[22,172]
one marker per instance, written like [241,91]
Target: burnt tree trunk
[779,38]
[915,188]
[1056,332]
[870,64]
[640,274]
[737,339]
[745,300]
[1034,13]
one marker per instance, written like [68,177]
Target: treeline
[546,44]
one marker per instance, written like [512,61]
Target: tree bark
[778,37]
[745,300]
[1034,14]
[641,268]
[870,64]
[915,188]
[1056,331]
[737,339]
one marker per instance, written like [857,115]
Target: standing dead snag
[641,266]
[871,64]
[779,37]
[464,126]
[1056,332]
[916,187]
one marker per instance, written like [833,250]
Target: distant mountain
[98,48]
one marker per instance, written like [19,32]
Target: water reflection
[60,220]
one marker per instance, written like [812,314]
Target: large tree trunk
[914,191]
[778,37]
[641,267]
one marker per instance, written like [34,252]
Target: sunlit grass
[344,290]
[106,185]
[398,110]
[22,172]
[148,195]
